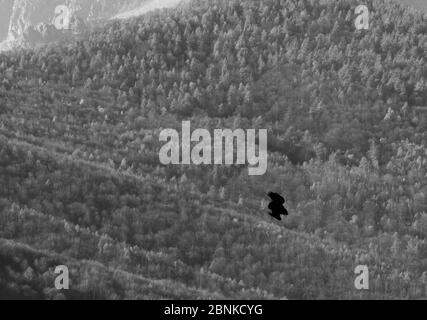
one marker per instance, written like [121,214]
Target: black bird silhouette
[276,206]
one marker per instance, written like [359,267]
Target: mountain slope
[5,14]
[417,4]
[150,5]
[347,143]
[89,279]
[20,18]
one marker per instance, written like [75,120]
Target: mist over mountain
[5,14]
[25,22]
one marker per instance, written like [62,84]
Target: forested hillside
[29,23]
[417,4]
[81,179]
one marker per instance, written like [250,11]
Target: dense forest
[417,4]
[81,182]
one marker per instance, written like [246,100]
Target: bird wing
[276,216]
[276,197]
[285,212]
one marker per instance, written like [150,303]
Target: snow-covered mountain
[148,6]
[5,14]
[27,22]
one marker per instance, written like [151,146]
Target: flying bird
[276,206]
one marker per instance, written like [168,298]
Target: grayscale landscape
[82,109]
